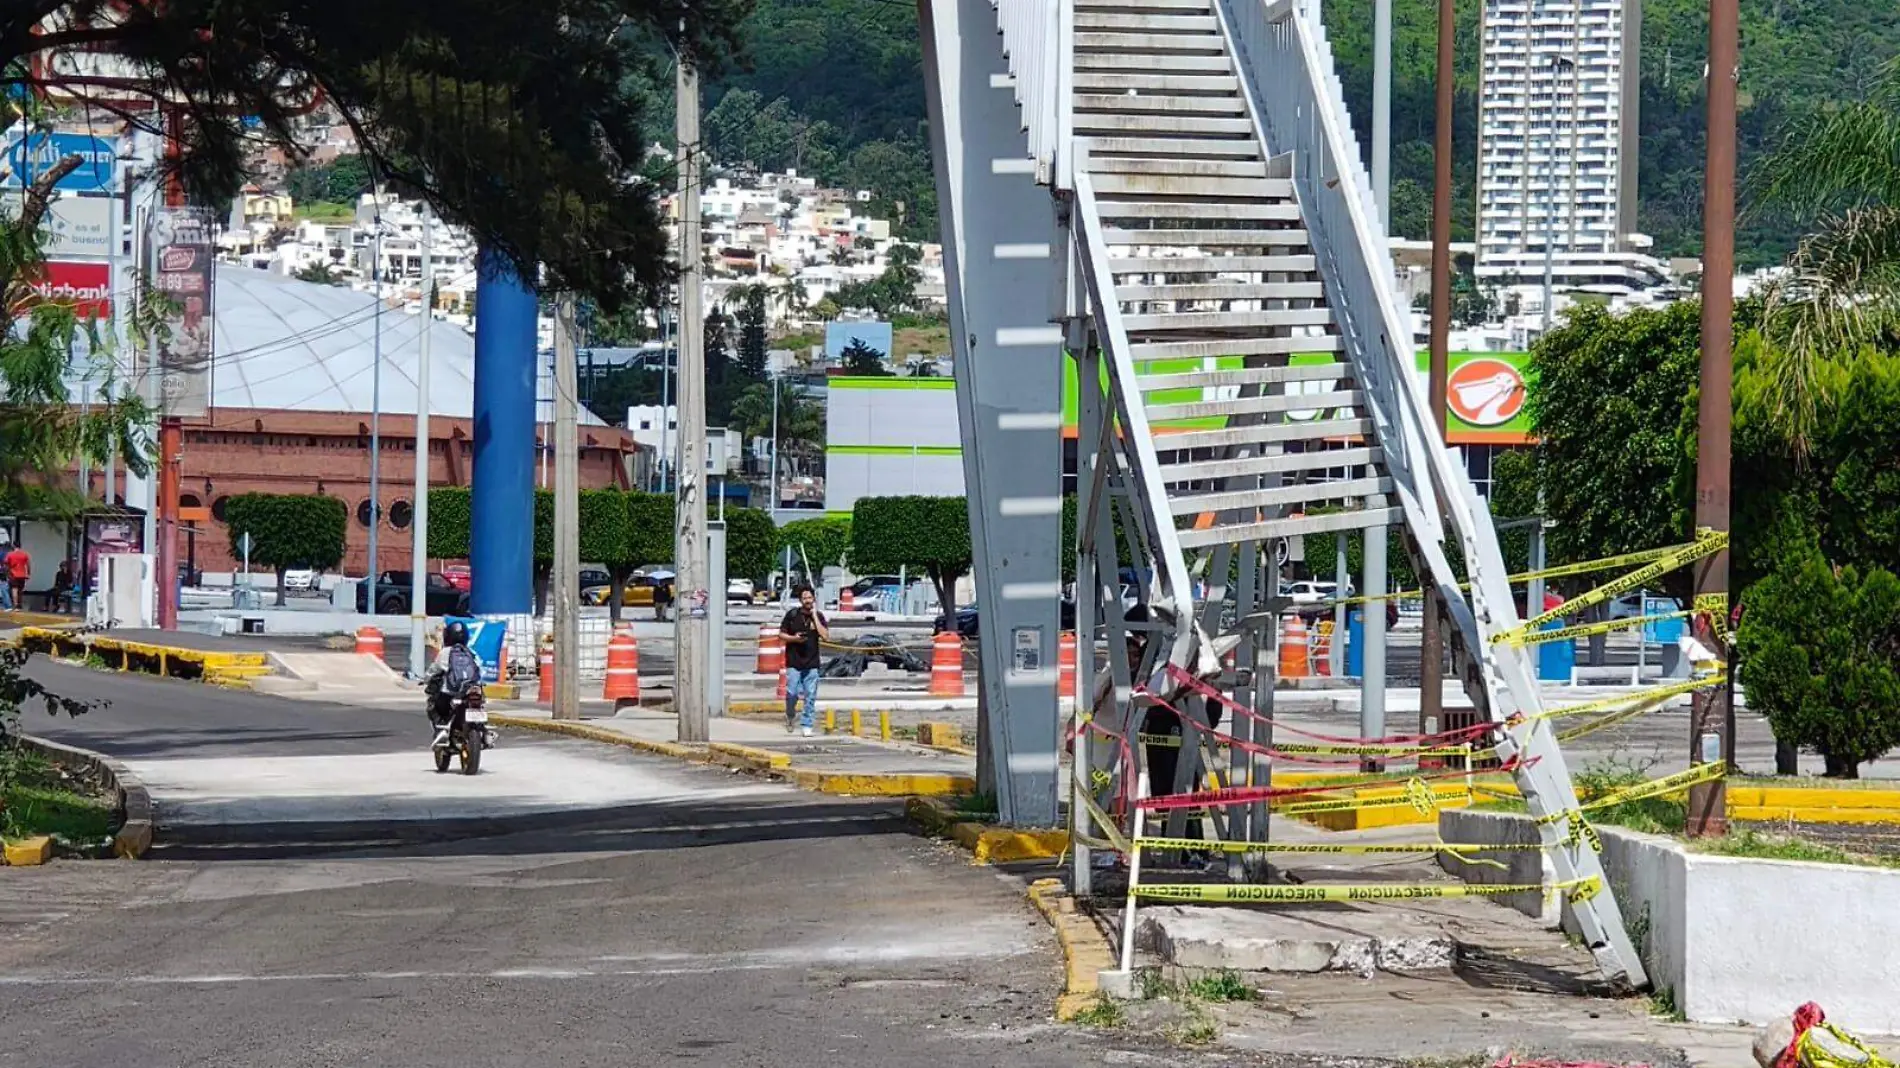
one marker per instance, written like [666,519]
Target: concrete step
[1181,63]
[1271,464]
[1329,523]
[1088,123]
[1257,435]
[1295,940]
[1181,265]
[1151,44]
[1139,21]
[1272,403]
[1173,148]
[1245,376]
[1187,349]
[1227,321]
[1222,291]
[1166,105]
[1120,83]
[1212,168]
[1187,185]
[1260,210]
[1290,237]
[1278,496]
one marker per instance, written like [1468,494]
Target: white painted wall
[1734,939]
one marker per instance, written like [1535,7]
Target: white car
[1310,592]
[739,591]
[300,578]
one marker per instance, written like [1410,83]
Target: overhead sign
[181,271]
[24,157]
[1485,392]
[84,287]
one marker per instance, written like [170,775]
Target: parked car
[1631,605]
[458,576]
[392,595]
[595,576]
[300,578]
[637,593]
[869,582]
[739,591]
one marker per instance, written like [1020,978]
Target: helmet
[456,633]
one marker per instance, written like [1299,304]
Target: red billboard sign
[84,287]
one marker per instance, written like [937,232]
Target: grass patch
[1762,846]
[1198,1030]
[36,798]
[1662,1003]
[1104,1011]
[929,340]
[1224,985]
[977,805]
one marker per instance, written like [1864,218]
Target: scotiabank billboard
[84,287]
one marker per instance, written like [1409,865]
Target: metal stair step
[1136,20]
[1211,168]
[1173,147]
[1143,351]
[1095,122]
[1328,523]
[1245,376]
[1165,105]
[1143,5]
[1269,210]
[1289,237]
[1222,291]
[1277,496]
[1232,320]
[1185,63]
[1270,404]
[1182,185]
[1150,44]
[1267,434]
[1120,84]
[1278,463]
[1177,265]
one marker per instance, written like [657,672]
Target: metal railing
[1039,39]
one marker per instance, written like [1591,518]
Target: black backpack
[464,671]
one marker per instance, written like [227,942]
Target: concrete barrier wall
[1522,867]
[1733,938]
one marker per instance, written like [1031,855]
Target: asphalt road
[726,921]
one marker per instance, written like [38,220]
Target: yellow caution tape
[1810,1053]
[1716,605]
[1647,698]
[1707,543]
[1583,567]
[1375,892]
[1587,630]
[1611,720]
[1418,795]
[1116,840]
[1308,847]
[1668,784]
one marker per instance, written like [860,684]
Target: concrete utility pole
[1431,644]
[567,519]
[1709,718]
[691,625]
[376,405]
[419,557]
[1382,113]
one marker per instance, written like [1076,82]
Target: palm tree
[1839,171]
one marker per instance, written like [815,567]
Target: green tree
[287,530]
[822,541]
[523,122]
[449,522]
[751,318]
[930,535]
[861,359]
[751,538]
[318,272]
[1819,647]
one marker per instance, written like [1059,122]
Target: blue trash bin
[1556,660]
[1355,643]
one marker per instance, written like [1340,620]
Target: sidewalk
[832,764]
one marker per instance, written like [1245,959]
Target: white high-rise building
[1557,138]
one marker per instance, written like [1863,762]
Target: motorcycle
[464,734]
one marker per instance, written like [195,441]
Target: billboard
[79,226]
[1484,397]
[84,287]
[25,156]
[181,250]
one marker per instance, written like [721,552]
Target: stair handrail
[1039,40]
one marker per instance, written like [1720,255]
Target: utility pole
[419,557]
[376,403]
[690,625]
[1382,115]
[567,519]
[1431,644]
[1709,716]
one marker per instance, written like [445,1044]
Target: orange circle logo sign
[1485,392]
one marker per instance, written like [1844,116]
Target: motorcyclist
[454,636]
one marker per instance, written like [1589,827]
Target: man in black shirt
[803,628]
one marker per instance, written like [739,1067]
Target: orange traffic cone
[1293,652]
[369,641]
[544,694]
[623,671]
[783,685]
[1323,648]
[1065,664]
[946,666]
[771,650]
[847,601]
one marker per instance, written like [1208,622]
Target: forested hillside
[835,87]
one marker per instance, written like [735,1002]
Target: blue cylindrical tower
[501,506]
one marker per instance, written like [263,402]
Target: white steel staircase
[1240,297]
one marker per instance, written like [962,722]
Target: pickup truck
[392,595]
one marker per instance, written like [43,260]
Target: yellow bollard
[884,726]
[831,721]
[857,724]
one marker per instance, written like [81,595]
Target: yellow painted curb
[745,756]
[596,734]
[868,785]
[29,852]
[754,708]
[1085,950]
[501,691]
[1001,845]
